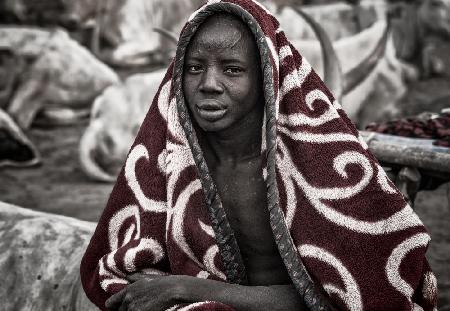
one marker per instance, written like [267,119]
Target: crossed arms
[156,292]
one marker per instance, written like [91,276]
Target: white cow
[374,95]
[115,120]
[59,74]
[376,98]
[40,256]
[127,26]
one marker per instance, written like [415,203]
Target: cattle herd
[62,62]
[98,63]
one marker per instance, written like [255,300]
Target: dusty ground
[59,186]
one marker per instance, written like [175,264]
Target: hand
[148,292]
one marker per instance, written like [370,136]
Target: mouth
[211,110]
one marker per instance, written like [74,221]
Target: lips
[211,110]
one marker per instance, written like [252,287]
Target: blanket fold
[347,237]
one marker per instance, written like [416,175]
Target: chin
[211,127]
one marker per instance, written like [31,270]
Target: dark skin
[223,89]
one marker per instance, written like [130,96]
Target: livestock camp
[78,78]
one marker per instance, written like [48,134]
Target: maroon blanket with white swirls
[345,221]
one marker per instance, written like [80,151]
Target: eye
[233,70]
[194,69]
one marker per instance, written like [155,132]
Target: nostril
[109,143]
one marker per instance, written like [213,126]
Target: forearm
[275,297]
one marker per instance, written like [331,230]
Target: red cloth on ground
[437,128]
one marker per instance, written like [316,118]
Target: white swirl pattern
[351,294]
[145,244]
[295,79]
[318,138]
[116,222]
[211,253]
[140,151]
[284,52]
[397,256]
[299,118]
[178,216]
[383,181]
[400,220]
[163,98]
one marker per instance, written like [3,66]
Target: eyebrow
[228,60]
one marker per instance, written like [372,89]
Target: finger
[113,302]
[135,277]
[140,276]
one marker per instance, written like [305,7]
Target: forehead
[223,32]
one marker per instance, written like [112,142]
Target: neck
[240,142]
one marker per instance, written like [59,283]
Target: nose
[210,82]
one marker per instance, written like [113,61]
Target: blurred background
[77,78]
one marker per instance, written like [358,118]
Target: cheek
[188,87]
[245,88]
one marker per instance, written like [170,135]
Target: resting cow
[60,78]
[39,259]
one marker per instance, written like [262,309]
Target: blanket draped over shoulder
[347,237]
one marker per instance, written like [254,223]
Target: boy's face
[222,76]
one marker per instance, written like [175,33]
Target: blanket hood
[229,250]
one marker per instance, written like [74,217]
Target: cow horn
[15,148]
[357,74]
[167,33]
[88,164]
[332,68]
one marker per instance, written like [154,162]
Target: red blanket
[340,224]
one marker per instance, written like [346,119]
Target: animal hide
[343,228]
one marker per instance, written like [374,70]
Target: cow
[126,27]
[59,77]
[115,120]
[40,256]
[339,19]
[365,97]
[415,79]
[420,27]
[377,97]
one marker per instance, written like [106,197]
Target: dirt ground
[59,186]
